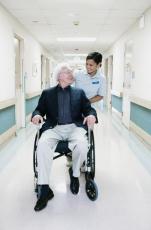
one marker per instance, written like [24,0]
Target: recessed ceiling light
[76,39]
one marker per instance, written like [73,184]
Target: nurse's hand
[90,121]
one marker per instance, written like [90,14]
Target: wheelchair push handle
[38,127]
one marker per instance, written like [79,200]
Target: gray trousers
[47,143]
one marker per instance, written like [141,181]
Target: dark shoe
[43,200]
[74,183]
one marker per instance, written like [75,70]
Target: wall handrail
[140,101]
[34,94]
[7,103]
[116,93]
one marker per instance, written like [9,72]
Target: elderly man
[68,112]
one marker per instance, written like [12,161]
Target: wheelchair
[63,150]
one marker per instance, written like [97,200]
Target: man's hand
[37,119]
[90,120]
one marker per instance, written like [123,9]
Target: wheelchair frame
[63,150]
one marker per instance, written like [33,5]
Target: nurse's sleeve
[102,88]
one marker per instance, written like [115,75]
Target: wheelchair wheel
[91,190]
[35,157]
[92,156]
[36,188]
[90,174]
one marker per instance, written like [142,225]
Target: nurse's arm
[96,98]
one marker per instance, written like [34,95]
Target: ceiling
[106,20]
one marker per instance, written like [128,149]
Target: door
[109,76]
[127,83]
[43,72]
[106,76]
[47,73]
[19,84]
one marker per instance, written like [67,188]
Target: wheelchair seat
[62,147]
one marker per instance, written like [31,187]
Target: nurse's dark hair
[95,56]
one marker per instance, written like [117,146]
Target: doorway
[109,77]
[47,73]
[127,83]
[45,69]
[19,83]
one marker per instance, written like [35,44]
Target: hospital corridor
[75,73]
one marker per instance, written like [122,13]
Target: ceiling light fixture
[35,21]
[76,39]
[76,23]
[75,55]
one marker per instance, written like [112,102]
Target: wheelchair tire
[91,159]
[91,190]
[34,157]
[93,156]
[36,188]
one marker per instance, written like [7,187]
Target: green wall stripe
[117,103]
[141,116]
[31,104]
[7,118]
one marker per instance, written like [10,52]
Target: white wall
[32,52]
[118,66]
[142,60]
[7,85]
[141,84]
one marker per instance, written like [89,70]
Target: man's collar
[66,88]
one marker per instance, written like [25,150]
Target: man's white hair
[59,68]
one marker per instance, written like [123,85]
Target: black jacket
[48,107]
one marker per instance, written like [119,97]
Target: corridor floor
[123,176]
